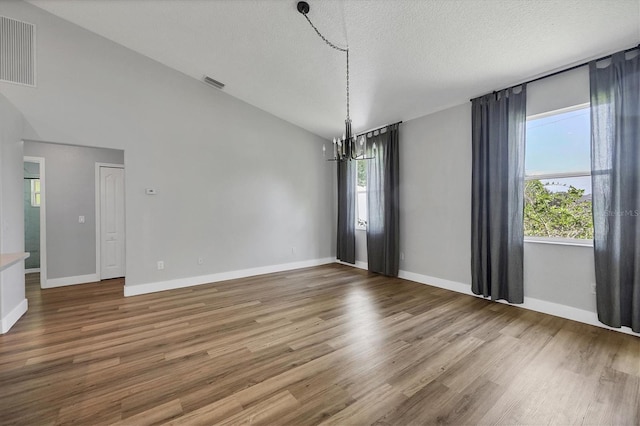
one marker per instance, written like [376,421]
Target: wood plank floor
[323,345]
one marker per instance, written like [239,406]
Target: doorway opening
[79,206]
[35,230]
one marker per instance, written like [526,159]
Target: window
[35,192]
[557,194]
[361,195]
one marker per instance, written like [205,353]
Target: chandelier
[345,148]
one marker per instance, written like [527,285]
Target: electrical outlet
[200,261]
[593,288]
[160,265]
[401,255]
[293,250]
[80,219]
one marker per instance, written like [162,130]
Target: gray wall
[236,186]
[11,213]
[435,194]
[70,192]
[435,217]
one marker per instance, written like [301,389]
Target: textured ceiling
[408,58]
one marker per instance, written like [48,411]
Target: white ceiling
[408,58]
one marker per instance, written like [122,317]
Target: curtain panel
[615,174]
[497,197]
[346,235]
[383,201]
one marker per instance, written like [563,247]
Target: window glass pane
[361,219]
[361,200]
[362,174]
[35,192]
[558,207]
[559,143]
[563,184]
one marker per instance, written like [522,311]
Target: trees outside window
[557,194]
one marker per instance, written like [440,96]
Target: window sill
[559,241]
[360,229]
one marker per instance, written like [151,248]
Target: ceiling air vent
[214,83]
[17,52]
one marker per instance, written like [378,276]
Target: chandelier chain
[341,49]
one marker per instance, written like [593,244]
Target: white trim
[359,264]
[78,279]
[43,217]
[98,208]
[560,175]
[12,317]
[134,290]
[558,111]
[550,308]
[436,282]
[31,270]
[559,241]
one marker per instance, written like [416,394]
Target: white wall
[12,293]
[236,186]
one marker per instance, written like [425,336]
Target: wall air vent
[17,52]
[214,83]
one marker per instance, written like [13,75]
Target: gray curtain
[497,197]
[383,202]
[346,238]
[615,167]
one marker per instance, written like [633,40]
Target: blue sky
[559,143]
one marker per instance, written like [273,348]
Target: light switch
[80,219]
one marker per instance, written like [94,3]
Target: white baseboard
[134,290]
[31,271]
[64,281]
[12,317]
[551,308]
[358,264]
[555,309]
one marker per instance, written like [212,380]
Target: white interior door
[112,236]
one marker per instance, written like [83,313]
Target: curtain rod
[377,128]
[565,70]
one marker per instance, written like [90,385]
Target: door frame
[99,219]
[43,217]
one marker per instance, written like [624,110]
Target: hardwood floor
[330,345]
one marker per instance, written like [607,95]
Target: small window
[35,192]
[361,195]
[557,191]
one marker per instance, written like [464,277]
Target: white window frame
[562,175]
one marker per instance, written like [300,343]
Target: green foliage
[556,214]
[362,173]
